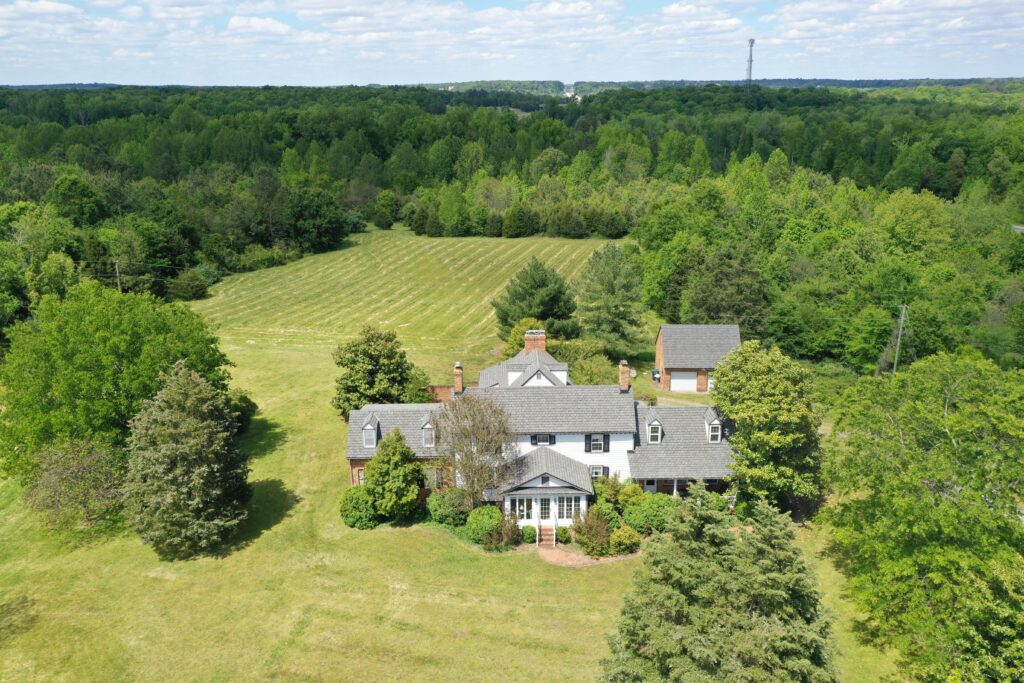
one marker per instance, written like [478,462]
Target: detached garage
[687,355]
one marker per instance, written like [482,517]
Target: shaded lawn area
[301,596]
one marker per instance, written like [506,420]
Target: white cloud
[265,25]
[310,41]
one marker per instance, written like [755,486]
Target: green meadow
[299,596]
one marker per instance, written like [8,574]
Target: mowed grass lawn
[300,596]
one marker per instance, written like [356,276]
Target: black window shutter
[607,442]
[551,439]
[586,443]
[533,439]
[605,470]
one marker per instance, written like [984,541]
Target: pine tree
[186,489]
[715,603]
[392,478]
[536,291]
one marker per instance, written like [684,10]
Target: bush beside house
[448,507]
[357,509]
[625,540]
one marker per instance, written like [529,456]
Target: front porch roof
[544,460]
[546,491]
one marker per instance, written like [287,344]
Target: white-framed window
[522,508]
[369,437]
[545,508]
[597,443]
[598,471]
[428,436]
[568,506]
[360,476]
[654,433]
[544,480]
[543,439]
[714,433]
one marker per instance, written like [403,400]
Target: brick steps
[546,535]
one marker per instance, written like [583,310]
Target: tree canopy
[82,367]
[928,468]
[768,398]
[714,602]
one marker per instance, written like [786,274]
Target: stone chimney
[623,376]
[535,340]
[458,386]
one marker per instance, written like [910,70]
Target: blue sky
[332,42]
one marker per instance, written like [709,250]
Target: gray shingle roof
[497,375]
[684,451]
[544,460]
[576,409]
[697,346]
[407,418]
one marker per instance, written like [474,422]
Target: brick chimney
[623,376]
[535,340]
[458,386]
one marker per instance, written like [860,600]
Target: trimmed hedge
[529,534]
[357,508]
[562,535]
[625,540]
[482,521]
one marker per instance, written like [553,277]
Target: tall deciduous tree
[768,397]
[608,297]
[928,466]
[374,369]
[476,440]
[187,482]
[392,478]
[82,366]
[716,603]
[536,291]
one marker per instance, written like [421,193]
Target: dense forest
[808,215]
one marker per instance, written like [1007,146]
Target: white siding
[513,376]
[538,380]
[684,380]
[574,446]
[562,375]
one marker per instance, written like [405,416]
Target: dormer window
[545,480]
[654,433]
[714,433]
[369,436]
[428,436]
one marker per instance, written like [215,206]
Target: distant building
[686,355]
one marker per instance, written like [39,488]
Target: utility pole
[117,272]
[899,338]
[750,64]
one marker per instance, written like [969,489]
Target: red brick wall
[702,380]
[442,393]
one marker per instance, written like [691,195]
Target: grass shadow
[272,502]
[263,437]
[16,616]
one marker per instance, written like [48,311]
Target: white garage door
[684,380]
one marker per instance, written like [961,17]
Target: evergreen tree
[716,603]
[536,291]
[187,482]
[609,298]
[392,478]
